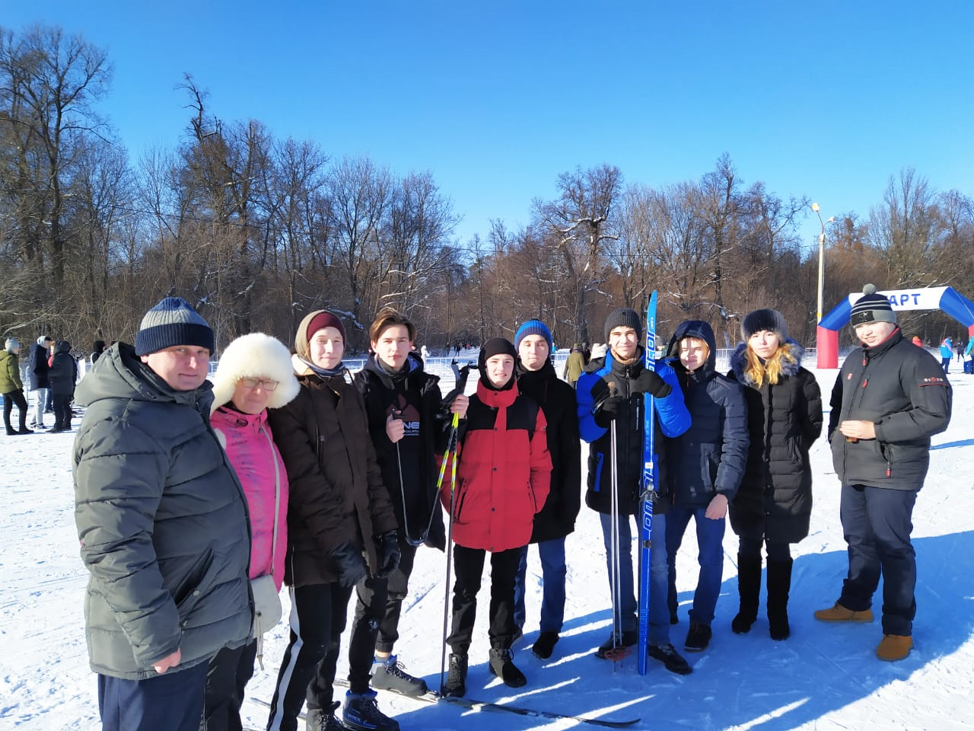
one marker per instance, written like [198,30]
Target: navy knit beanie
[533,327]
[623,317]
[172,322]
[871,307]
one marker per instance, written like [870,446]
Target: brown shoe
[894,647]
[838,613]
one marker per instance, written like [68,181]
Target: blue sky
[497,98]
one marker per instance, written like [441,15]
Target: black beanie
[871,307]
[766,319]
[494,346]
[623,317]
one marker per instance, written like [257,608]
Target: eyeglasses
[265,383]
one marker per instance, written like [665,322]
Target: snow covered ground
[825,677]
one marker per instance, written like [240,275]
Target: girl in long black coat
[774,503]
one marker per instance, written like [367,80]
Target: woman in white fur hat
[253,375]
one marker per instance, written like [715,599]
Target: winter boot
[894,647]
[502,665]
[671,659]
[323,719]
[11,432]
[779,585]
[749,588]
[615,648]
[360,711]
[456,679]
[838,613]
[389,674]
[698,637]
[544,645]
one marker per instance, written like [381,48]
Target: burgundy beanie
[323,320]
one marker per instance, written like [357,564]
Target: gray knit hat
[623,317]
[871,307]
[766,319]
[12,344]
[172,322]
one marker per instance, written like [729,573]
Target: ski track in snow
[824,678]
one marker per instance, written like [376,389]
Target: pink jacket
[245,439]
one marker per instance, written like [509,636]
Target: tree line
[256,231]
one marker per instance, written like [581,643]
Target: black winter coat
[416,395]
[710,457]
[783,420]
[903,390]
[37,367]
[557,400]
[64,370]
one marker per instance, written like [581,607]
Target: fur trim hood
[788,368]
[255,356]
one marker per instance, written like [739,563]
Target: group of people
[51,376]
[197,501]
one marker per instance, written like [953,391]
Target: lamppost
[821,260]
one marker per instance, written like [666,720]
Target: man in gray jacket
[889,398]
[163,525]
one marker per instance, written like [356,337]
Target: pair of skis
[648,494]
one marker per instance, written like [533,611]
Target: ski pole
[615,573]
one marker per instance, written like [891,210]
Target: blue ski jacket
[672,419]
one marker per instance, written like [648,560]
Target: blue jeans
[659,615]
[553,573]
[877,523]
[710,538]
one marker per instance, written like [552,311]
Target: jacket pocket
[189,590]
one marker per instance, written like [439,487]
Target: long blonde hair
[769,371]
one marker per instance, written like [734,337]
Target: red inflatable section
[827,345]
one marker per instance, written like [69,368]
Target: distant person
[959,349]
[163,526]
[946,353]
[63,376]
[574,365]
[536,377]
[773,506]
[341,527]
[888,400]
[503,479]
[12,387]
[98,347]
[253,376]
[424,352]
[37,376]
[706,466]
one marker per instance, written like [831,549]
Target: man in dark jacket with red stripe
[536,378]
[889,398]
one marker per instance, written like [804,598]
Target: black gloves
[608,410]
[389,554]
[650,382]
[350,564]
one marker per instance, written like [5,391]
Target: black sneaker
[391,675]
[670,658]
[544,645]
[324,719]
[605,651]
[456,679]
[502,665]
[360,711]
[698,637]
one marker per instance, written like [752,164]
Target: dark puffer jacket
[557,400]
[783,420]
[162,520]
[416,395]
[903,390]
[37,367]
[672,419]
[337,494]
[64,370]
[711,456]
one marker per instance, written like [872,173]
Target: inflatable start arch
[929,298]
